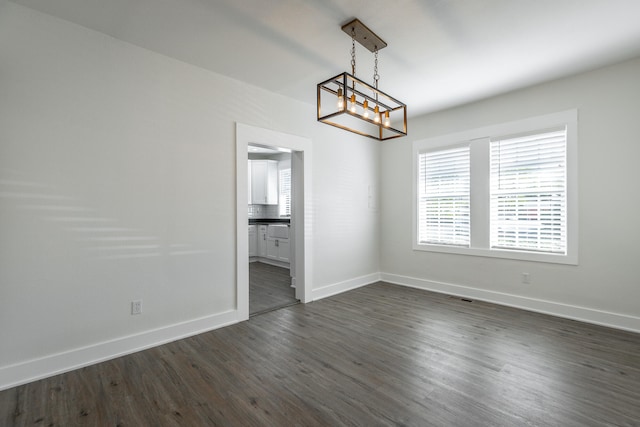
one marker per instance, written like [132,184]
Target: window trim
[480,195]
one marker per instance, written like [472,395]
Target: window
[528,193]
[505,191]
[444,197]
[284,184]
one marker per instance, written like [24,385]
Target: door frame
[301,216]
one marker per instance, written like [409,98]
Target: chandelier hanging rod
[355,114]
[359,132]
[360,104]
[360,93]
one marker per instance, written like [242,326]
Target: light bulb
[365,105]
[386,118]
[376,114]
[340,100]
[353,103]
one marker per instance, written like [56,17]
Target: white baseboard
[347,285]
[32,370]
[35,369]
[583,314]
[271,262]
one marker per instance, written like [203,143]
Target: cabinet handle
[277,243]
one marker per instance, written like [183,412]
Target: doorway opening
[287,239]
[270,203]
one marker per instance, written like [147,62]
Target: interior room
[451,216]
[269,210]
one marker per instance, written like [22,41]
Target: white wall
[344,220]
[101,139]
[117,182]
[605,286]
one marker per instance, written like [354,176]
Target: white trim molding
[54,364]
[347,285]
[302,210]
[573,312]
[479,142]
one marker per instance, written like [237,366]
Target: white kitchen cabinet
[262,240]
[283,250]
[264,182]
[278,249]
[253,241]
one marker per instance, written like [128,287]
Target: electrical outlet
[526,279]
[136,307]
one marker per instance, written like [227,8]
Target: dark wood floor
[269,288]
[379,355]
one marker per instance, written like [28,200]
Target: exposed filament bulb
[353,103]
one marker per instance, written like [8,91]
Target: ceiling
[440,53]
[260,149]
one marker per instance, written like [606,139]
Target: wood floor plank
[269,288]
[381,355]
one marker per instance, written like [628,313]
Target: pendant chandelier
[346,102]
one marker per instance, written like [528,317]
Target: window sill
[499,253]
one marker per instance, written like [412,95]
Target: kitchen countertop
[269,220]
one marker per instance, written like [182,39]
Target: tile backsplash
[263,211]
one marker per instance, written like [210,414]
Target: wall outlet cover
[136,307]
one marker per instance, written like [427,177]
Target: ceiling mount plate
[364,35]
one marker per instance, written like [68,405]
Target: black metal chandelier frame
[389,115]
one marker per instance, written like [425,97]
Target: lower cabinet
[278,249]
[262,240]
[269,248]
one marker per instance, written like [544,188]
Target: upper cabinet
[264,182]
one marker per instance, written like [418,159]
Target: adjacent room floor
[269,288]
[378,355]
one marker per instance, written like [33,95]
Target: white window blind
[444,197]
[528,193]
[284,180]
